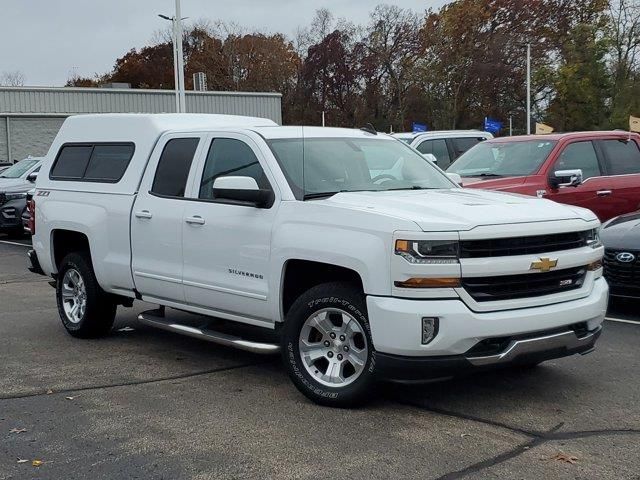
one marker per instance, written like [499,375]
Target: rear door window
[462,144]
[438,148]
[580,155]
[623,157]
[173,167]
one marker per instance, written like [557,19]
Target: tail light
[31,208]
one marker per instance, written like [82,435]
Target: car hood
[622,233]
[15,185]
[458,208]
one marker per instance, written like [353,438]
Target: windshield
[19,169]
[506,159]
[317,167]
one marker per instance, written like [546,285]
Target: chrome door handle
[144,214]
[195,220]
[603,193]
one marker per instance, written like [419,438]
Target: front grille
[503,247]
[3,199]
[621,273]
[507,287]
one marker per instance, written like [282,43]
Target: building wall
[35,114]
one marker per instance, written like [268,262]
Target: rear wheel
[85,309]
[327,346]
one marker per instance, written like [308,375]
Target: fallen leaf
[71,398]
[49,392]
[20,460]
[465,435]
[37,463]
[17,430]
[563,457]
[126,329]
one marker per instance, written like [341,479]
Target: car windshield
[503,159]
[19,169]
[321,167]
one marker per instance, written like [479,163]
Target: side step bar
[148,318]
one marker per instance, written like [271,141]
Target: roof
[443,134]
[316,132]
[64,101]
[567,136]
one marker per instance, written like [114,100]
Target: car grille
[507,287]
[503,247]
[620,273]
[3,199]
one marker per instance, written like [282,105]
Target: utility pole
[323,118]
[511,125]
[528,88]
[180,55]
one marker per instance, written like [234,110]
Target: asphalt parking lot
[149,404]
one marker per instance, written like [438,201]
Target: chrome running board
[568,340]
[148,318]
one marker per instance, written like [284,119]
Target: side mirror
[455,178]
[242,190]
[566,178]
[32,177]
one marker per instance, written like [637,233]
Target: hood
[491,183]
[622,233]
[15,185]
[458,208]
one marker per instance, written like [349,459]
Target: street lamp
[178,58]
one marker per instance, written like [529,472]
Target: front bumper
[530,350]
[11,214]
[396,323]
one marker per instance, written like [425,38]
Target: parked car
[621,238]
[445,145]
[4,166]
[595,170]
[15,182]
[400,275]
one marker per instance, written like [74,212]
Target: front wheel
[85,309]
[327,346]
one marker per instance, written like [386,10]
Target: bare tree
[12,79]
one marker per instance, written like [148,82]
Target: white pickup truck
[362,260]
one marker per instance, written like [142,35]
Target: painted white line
[15,243]
[620,320]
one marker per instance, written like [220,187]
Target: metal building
[30,117]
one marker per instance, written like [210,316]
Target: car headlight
[15,196]
[593,238]
[428,251]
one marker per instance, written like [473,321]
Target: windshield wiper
[487,175]
[413,187]
[311,196]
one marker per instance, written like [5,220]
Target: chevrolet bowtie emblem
[544,265]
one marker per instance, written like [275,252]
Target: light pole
[178,58]
[528,89]
[175,59]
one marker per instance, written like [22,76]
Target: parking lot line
[621,320]
[15,243]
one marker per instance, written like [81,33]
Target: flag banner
[419,127]
[491,125]
[542,129]
[634,124]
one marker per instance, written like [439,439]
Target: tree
[12,79]
[582,85]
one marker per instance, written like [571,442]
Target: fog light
[429,329]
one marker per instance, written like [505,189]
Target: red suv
[596,170]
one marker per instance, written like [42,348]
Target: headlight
[428,251]
[15,196]
[593,238]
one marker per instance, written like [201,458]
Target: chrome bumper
[560,341]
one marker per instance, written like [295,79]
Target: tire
[335,370]
[77,285]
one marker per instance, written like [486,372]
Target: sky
[51,40]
